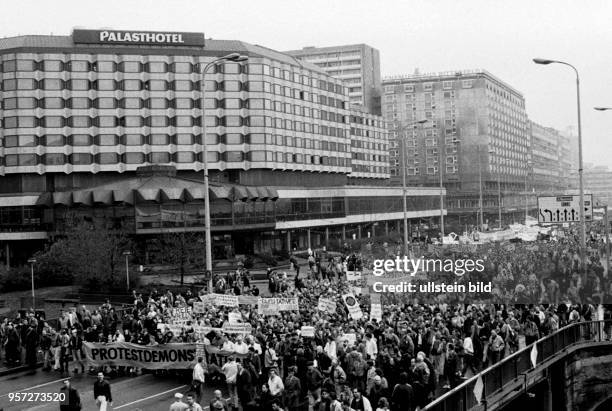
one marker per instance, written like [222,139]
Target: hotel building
[107,126]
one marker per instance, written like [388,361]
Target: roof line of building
[449,74]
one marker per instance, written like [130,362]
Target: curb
[19,368]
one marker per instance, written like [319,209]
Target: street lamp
[236,58]
[404,189]
[127,254]
[499,204]
[32,261]
[581,185]
[606,223]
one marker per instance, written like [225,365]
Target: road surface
[142,393]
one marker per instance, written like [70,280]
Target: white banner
[226,300]
[180,315]
[326,304]
[353,275]
[235,318]
[237,328]
[376,312]
[307,331]
[199,307]
[272,306]
[353,306]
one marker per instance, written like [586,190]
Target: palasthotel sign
[138,38]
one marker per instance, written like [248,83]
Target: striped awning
[155,190]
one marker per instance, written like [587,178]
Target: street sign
[564,209]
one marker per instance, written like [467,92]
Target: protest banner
[226,300]
[376,312]
[240,328]
[208,298]
[353,306]
[353,275]
[307,331]
[199,307]
[272,306]
[247,299]
[350,337]
[180,315]
[159,357]
[326,304]
[235,318]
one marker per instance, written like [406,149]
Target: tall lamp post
[233,57]
[581,184]
[404,189]
[127,255]
[499,204]
[32,261]
[606,223]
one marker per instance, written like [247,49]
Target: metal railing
[498,376]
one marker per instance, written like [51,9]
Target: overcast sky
[436,35]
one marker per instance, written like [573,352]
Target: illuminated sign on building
[138,38]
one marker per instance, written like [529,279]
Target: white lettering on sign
[129,37]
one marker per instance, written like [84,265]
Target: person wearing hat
[218,403]
[178,404]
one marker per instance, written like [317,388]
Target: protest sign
[353,306]
[180,315]
[376,312]
[350,337]
[234,318]
[307,331]
[326,304]
[239,328]
[248,299]
[272,306]
[159,357]
[208,298]
[353,275]
[226,300]
[199,307]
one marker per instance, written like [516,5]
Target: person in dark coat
[244,386]
[11,345]
[403,395]
[31,343]
[293,390]
[72,399]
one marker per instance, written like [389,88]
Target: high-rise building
[598,181]
[82,115]
[476,130]
[546,151]
[357,65]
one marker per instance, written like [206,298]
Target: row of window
[80,66]
[162,85]
[59,140]
[14,103]
[368,145]
[370,157]
[363,168]
[54,159]
[163,121]
[427,86]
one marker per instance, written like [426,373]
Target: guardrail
[496,377]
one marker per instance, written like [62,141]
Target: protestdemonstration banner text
[157,357]
[168,356]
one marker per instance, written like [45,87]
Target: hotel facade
[106,126]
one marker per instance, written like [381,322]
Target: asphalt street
[142,393]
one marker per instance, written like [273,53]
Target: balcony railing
[498,376]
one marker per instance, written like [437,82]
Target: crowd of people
[417,349]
